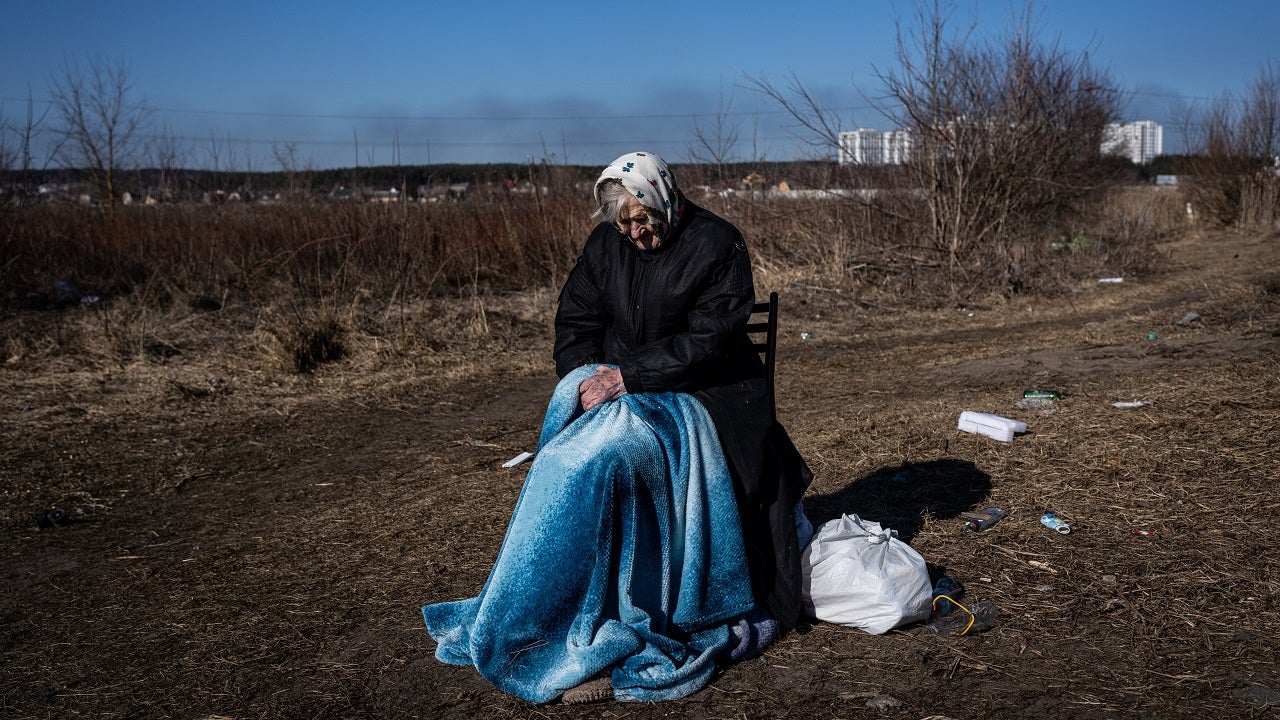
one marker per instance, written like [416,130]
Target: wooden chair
[762,328]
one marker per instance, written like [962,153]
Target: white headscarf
[647,177]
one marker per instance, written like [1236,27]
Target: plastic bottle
[49,518]
[1034,403]
[1042,394]
[977,522]
[965,621]
[945,591]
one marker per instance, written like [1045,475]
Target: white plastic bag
[858,574]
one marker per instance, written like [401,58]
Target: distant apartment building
[1139,141]
[873,147]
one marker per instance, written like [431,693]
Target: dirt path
[247,544]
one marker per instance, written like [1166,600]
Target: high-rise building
[860,147]
[1139,141]
[866,146]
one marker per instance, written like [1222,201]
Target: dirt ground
[247,542]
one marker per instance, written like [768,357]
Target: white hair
[613,198]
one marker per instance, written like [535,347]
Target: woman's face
[635,222]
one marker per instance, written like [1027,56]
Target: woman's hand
[605,385]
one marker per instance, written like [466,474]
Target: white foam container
[993,426]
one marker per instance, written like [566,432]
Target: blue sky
[435,82]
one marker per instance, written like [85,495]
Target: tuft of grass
[312,342]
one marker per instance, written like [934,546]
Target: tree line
[1007,135]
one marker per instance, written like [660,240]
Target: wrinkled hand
[604,386]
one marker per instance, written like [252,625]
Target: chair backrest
[763,331]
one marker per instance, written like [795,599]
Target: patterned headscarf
[647,177]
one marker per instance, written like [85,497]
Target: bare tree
[1260,118]
[1261,127]
[716,143]
[215,152]
[286,156]
[167,154]
[1219,162]
[7,152]
[1236,143]
[1005,135]
[18,144]
[819,126]
[102,121]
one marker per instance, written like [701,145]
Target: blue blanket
[624,553]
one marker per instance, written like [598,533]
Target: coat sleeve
[716,323]
[581,320]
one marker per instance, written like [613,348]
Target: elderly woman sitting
[655,534]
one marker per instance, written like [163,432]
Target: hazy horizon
[570,83]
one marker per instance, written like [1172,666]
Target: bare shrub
[1117,235]
[324,250]
[867,246]
[308,275]
[1006,144]
[1236,169]
[826,240]
[307,284]
[311,341]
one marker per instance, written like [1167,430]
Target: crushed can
[1055,523]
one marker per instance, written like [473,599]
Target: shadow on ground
[902,497]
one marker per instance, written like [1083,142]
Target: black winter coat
[674,319]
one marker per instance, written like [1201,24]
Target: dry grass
[253,541]
[306,278]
